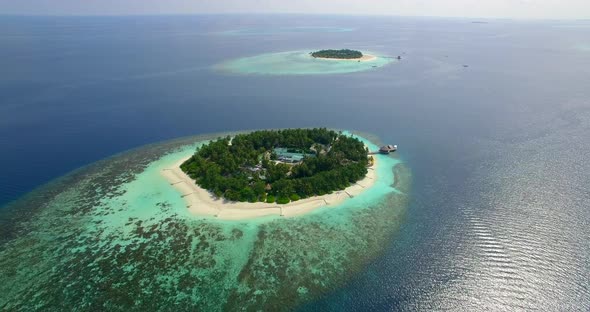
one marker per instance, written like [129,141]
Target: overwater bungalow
[388,149]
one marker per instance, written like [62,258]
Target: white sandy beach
[364,58]
[201,202]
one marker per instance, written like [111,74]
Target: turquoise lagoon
[117,236]
[298,63]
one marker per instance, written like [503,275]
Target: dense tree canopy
[338,54]
[245,168]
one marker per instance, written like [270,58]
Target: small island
[345,54]
[306,62]
[278,166]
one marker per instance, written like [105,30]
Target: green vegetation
[247,168]
[338,54]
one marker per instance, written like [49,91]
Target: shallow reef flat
[116,236]
[299,63]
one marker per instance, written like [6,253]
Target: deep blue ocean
[491,116]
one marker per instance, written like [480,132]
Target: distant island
[344,54]
[278,165]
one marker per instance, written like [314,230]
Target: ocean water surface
[262,30]
[492,119]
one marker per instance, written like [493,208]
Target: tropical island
[338,54]
[342,55]
[278,166]
[130,209]
[305,62]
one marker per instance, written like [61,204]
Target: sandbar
[201,202]
[364,58]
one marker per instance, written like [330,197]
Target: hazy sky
[461,8]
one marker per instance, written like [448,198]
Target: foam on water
[298,63]
[116,236]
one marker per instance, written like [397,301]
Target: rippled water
[513,235]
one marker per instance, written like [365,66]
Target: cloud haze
[455,8]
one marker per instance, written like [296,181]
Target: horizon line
[293,13]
